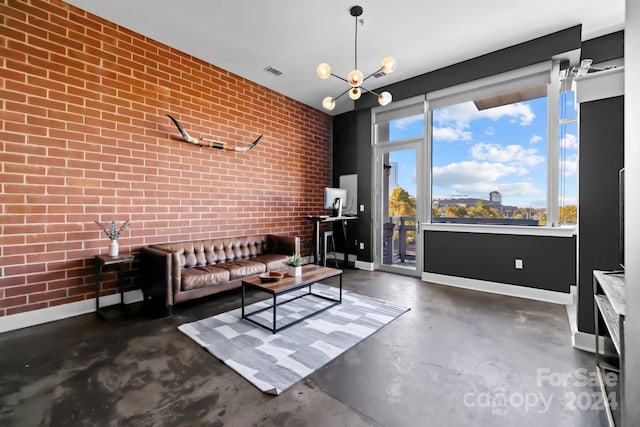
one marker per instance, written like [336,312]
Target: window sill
[563,231]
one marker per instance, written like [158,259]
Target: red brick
[97,140]
[13,302]
[25,308]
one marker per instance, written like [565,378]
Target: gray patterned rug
[274,362]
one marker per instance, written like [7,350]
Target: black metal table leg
[274,314]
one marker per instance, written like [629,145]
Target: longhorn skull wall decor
[210,143]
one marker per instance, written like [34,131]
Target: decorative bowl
[271,276]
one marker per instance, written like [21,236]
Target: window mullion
[553,150]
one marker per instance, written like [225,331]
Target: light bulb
[388,64]
[384,98]
[328,103]
[355,78]
[324,70]
[354,93]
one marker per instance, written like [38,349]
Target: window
[496,148]
[568,161]
[400,124]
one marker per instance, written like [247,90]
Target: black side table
[103,261]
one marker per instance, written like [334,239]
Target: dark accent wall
[491,257]
[605,48]
[601,157]
[352,132]
[353,129]
[507,59]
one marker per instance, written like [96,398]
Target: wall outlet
[519,264]
[361,208]
[361,245]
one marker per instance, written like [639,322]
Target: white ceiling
[294,36]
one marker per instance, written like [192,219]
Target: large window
[501,153]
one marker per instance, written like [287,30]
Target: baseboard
[58,312]
[362,265]
[500,288]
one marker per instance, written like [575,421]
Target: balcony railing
[399,241]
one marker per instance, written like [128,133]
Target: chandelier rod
[356,44]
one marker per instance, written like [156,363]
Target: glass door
[398,146]
[398,232]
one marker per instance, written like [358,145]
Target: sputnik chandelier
[355,77]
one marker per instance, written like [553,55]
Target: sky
[500,149]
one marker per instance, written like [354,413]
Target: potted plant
[295,261]
[114,233]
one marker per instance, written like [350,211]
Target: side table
[103,261]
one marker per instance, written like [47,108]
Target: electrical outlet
[361,245]
[361,208]
[519,264]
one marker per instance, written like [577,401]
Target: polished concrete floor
[457,358]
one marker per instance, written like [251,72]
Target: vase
[297,271]
[113,248]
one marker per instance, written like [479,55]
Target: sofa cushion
[272,261]
[242,268]
[204,275]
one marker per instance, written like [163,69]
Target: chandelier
[355,77]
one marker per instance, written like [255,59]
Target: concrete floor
[458,358]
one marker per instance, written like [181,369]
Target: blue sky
[499,149]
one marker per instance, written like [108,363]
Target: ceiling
[294,36]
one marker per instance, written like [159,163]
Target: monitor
[335,199]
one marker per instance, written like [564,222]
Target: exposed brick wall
[84,136]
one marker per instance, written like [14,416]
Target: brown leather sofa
[176,272]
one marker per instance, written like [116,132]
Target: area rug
[274,362]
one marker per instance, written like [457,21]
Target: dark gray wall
[601,157]
[510,58]
[352,154]
[491,257]
[352,131]
[605,48]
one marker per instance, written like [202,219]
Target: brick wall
[84,136]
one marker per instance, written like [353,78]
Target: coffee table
[310,275]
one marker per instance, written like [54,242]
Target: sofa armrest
[157,277]
[284,245]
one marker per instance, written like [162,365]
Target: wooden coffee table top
[310,273]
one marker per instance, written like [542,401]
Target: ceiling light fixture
[355,77]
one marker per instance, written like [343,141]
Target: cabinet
[609,313]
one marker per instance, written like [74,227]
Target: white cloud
[569,166]
[455,175]
[516,154]
[408,121]
[535,139]
[451,134]
[490,131]
[569,142]
[567,201]
[523,188]
[478,179]
[452,123]
[463,114]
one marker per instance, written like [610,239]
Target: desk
[103,261]
[316,233]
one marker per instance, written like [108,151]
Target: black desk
[316,233]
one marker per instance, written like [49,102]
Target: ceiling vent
[379,74]
[273,71]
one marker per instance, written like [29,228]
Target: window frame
[547,72]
